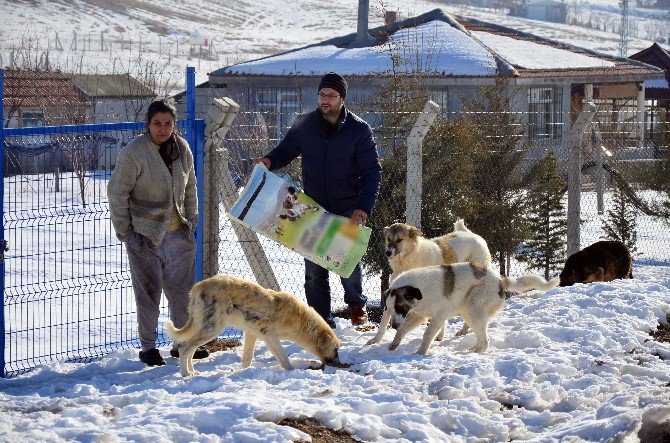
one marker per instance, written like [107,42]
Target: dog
[438,293]
[406,248]
[293,207]
[224,300]
[601,261]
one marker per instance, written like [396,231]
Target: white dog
[406,249]
[440,292]
[225,300]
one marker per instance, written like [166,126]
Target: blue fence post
[2,226]
[195,139]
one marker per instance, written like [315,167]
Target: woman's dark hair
[161,105]
[169,150]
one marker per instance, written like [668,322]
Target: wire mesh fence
[67,288]
[483,167]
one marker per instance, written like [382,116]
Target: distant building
[457,56]
[115,97]
[545,10]
[656,90]
[41,98]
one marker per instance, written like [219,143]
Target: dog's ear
[291,190]
[414,232]
[323,343]
[410,292]
[385,231]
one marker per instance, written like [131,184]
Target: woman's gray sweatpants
[168,268]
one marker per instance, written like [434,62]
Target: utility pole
[623,44]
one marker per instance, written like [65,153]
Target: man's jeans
[317,289]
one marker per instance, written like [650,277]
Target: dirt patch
[319,434]
[218,345]
[662,333]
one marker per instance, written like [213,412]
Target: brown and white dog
[438,293]
[407,248]
[225,300]
[601,261]
[293,207]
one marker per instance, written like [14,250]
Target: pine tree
[546,220]
[621,221]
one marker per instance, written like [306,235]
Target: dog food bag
[273,207]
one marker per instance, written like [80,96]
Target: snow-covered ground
[576,363]
[573,363]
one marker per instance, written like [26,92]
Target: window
[32,118]
[279,107]
[545,112]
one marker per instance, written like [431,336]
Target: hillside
[140,36]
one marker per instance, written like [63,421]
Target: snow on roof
[439,47]
[531,55]
[656,83]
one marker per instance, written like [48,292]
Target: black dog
[602,261]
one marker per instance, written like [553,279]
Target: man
[341,171]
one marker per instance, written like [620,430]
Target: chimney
[362,37]
[390,17]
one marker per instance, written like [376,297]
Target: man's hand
[266,161]
[359,216]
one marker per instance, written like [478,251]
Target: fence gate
[67,293]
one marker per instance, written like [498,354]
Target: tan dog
[438,293]
[406,249]
[225,300]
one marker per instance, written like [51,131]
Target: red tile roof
[40,89]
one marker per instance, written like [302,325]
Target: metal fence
[67,292]
[66,284]
[626,166]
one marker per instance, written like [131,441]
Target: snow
[576,362]
[157,39]
[572,363]
[530,55]
[438,47]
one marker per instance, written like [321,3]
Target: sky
[572,363]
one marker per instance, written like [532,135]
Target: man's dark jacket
[341,172]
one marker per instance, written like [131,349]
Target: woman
[154,210]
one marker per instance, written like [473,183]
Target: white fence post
[414,186]
[575,175]
[222,189]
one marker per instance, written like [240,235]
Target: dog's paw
[393,346]
[372,341]
[479,349]
[421,352]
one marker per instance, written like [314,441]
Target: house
[39,98]
[545,10]
[456,56]
[115,97]
[656,90]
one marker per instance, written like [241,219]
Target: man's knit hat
[334,81]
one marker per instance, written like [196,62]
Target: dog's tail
[528,282]
[460,226]
[181,335]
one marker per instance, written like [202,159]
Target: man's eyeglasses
[323,96]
